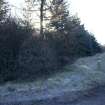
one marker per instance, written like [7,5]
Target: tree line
[26,54]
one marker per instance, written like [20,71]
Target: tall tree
[27,14]
[33,6]
[41,16]
[41,7]
[59,14]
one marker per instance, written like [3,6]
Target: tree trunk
[41,18]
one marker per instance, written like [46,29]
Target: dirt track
[95,97]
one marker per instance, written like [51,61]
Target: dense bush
[23,56]
[73,42]
[36,58]
[12,35]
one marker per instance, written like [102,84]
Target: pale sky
[91,13]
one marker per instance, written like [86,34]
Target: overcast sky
[91,13]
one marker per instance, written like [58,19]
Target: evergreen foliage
[24,56]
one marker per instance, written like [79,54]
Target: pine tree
[59,14]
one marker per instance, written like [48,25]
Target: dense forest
[27,53]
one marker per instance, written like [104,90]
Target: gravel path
[95,97]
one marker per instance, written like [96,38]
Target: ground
[95,97]
[80,84]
